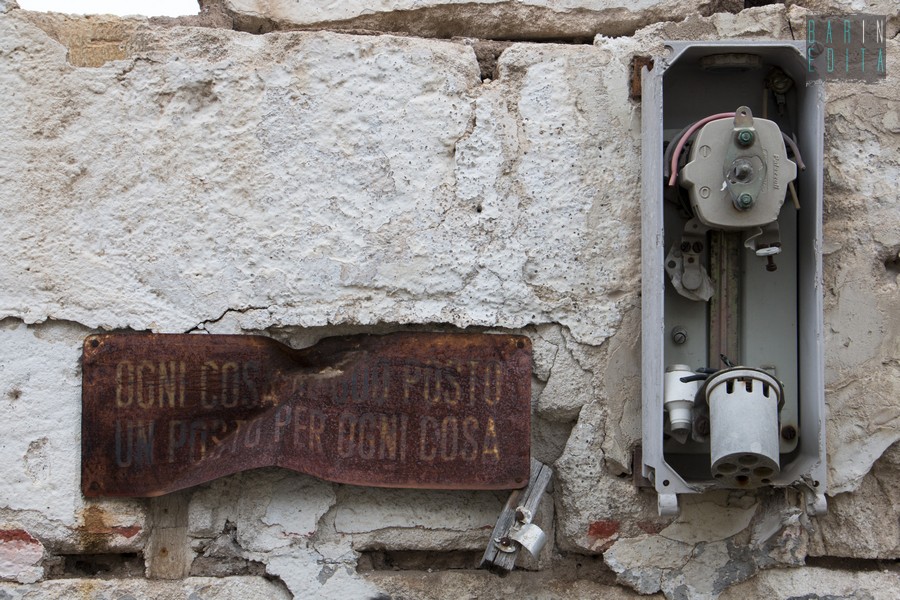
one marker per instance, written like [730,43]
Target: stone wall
[292,170]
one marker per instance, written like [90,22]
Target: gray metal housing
[806,465]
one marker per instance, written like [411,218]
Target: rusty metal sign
[417,410]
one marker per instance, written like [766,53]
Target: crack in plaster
[392,528]
[202,325]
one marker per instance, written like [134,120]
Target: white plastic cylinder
[743,426]
[679,399]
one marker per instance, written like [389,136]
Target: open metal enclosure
[765,308]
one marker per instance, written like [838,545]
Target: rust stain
[91,534]
[94,40]
[637,63]
[94,533]
[420,410]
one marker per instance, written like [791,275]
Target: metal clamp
[527,534]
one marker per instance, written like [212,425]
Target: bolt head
[745,137]
[745,201]
[743,172]
[788,432]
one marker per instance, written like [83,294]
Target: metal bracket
[667,505]
[684,263]
[744,168]
[765,242]
[816,503]
[514,528]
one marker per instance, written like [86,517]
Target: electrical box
[732,349]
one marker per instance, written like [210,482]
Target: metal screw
[523,515]
[770,264]
[702,426]
[685,246]
[505,544]
[745,137]
[745,201]
[679,335]
[788,432]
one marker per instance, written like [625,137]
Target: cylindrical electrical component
[679,400]
[743,415]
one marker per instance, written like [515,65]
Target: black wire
[697,377]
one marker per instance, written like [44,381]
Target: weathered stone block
[197,588]
[417,519]
[268,508]
[594,507]
[569,385]
[522,584]
[812,582]
[489,19]
[40,402]
[350,156]
[862,242]
[864,523]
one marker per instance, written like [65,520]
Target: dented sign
[416,410]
